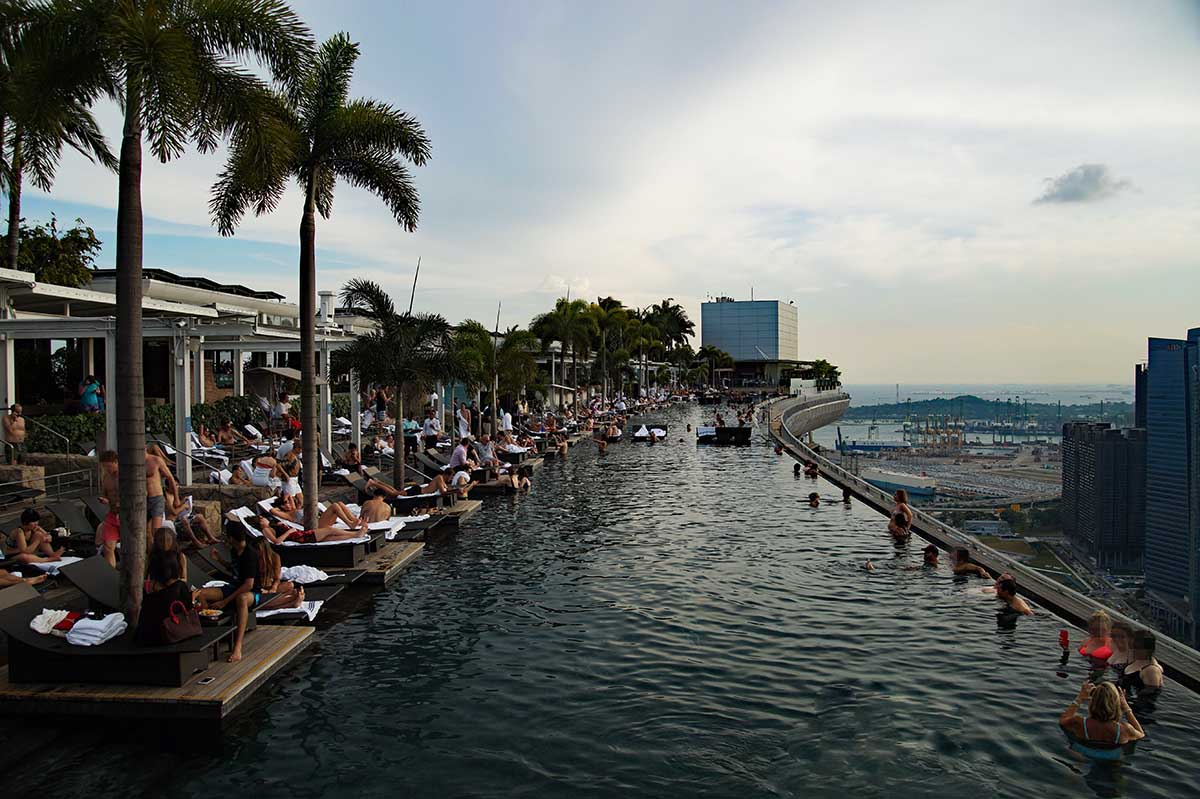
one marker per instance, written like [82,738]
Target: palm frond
[267,30]
[368,299]
[365,125]
[387,178]
[326,88]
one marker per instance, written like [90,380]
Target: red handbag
[180,626]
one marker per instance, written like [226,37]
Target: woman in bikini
[280,534]
[291,508]
[1101,734]
[1098,646]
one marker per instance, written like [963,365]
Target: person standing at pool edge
[14,434]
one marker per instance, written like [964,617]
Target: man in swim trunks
[109,531]
[14,435]
[156,473]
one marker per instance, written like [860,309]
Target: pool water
[666,620]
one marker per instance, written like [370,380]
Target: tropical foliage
[403,351]
[65,258]
[327,136]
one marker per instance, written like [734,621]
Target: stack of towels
[302,574]
[93,632]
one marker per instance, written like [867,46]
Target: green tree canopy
[65,258]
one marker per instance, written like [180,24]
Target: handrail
[52,432]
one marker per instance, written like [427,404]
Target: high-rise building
[762,336]
[1139,395]
[1172,485]
[1104,493]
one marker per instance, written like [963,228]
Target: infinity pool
[660,621]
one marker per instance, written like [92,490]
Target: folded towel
[394,528]
[303,574]
[215,584]
[307,609]
[93,632]
[45,621]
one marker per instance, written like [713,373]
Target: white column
[325,398]
[89,357]
[110,397]
[355,411]
[239,387]
[8,371]
[183,412]
[198,374]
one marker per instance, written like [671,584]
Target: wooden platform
[462,509]
[266,650]
[389,561]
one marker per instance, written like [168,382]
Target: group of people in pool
[1120,658]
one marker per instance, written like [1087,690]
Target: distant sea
[1083,394]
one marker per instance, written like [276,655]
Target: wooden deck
[389,561]
[462,509]
[266,650]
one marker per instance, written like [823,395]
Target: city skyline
[961,192]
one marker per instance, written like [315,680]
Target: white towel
[215,584]
[44,622]
[302,574]
[93,632]
[53,566]
[308,609]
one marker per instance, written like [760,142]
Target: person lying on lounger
[228,437]
[350,459]
[278,533]
[30,543]
[289,509]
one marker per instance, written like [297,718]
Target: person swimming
[1006,592]
[1101,734]
[929,556]
[1143,675]
[814,500]
[964,566]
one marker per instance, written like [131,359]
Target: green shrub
[79,428]
[340,405]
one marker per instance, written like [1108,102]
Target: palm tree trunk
[604,363]
[495,402]
[574,380]
[308,362]
[477,420]
[398,455]
[14,203]
[130,435]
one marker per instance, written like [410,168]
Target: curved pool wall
[792,418]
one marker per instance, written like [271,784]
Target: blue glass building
[761,335]
[1172,477]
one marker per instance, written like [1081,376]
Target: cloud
[1084,184]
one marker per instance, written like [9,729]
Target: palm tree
[477,352]
[515,364]
[567,324]
[607,317]
[35,123]
[364,143]
[403,350]
[172,67]
[672,322]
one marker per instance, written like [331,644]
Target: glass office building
[761,335]
[1172,485]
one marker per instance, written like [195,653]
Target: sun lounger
[14,595]
[96,580]
[37,658]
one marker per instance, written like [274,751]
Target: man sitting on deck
[461,482]
[243,593]
[486,451]
[462,455]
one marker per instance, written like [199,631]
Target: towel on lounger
[303,574]
[53,566]
[93,632]
[44,622]
[308,609]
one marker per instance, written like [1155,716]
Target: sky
[958,191]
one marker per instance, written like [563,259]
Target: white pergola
[32,310]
